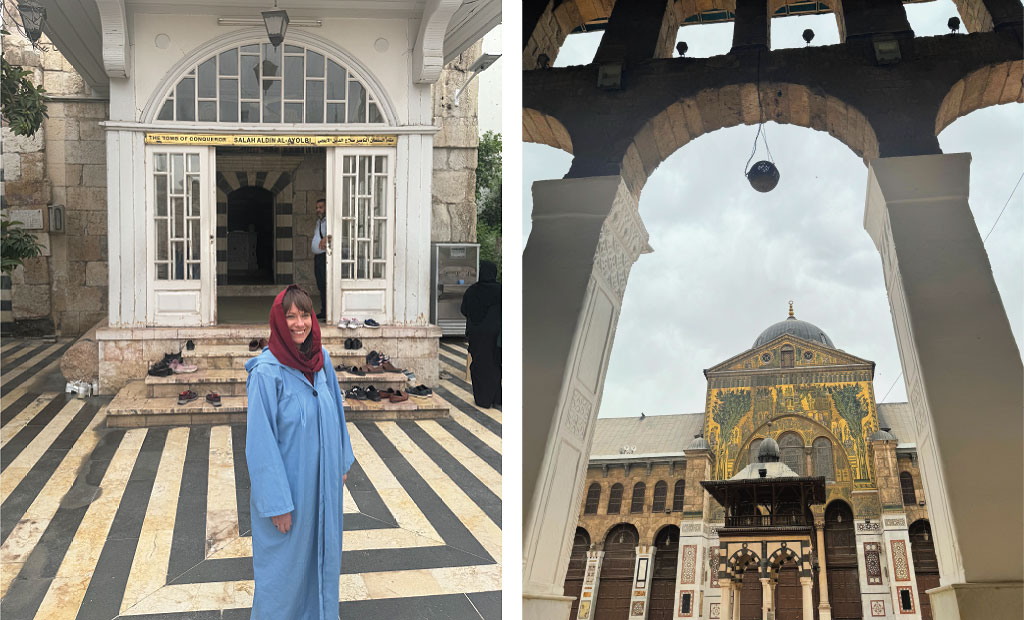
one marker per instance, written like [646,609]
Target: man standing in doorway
[320,241]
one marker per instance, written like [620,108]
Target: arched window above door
[260,83]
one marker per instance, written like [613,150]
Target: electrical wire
[1012,192]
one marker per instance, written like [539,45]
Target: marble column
[807,597]
[591,584]
[586,235]
[824,609]
[899,564]
[958,355]
[737,589]
[643,572]
[766,597]
[725,608]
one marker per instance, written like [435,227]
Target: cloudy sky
[727,259]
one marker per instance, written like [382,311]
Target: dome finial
[791,315]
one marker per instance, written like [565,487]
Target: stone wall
[454,189]
[64,163]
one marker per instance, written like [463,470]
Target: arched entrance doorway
[750,592]
[577,568]
[788,593]
[250,236]
[925,564]
[614,590]
[663,581]
[841,562]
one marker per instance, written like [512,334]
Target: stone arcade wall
[64,163]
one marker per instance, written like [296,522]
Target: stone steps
[133,408]
[231,382]
[225,357]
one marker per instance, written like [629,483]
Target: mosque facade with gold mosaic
[823,514]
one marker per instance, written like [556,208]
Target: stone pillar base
[546,606]
[964,601]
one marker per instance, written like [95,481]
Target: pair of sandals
[352,344]
[171,364]
[188,396]
[258,344]
[375,395]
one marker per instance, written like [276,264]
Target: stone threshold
[249,331]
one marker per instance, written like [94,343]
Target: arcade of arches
[650,537]
[630,109]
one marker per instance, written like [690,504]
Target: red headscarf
[285,350]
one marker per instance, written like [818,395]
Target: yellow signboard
[249,139]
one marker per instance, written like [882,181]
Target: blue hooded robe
[298,448]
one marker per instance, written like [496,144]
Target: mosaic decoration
[895,523]
[899,560]
[716,610]
[900,597]
[584,611]
[689,564]
[591,571]
[637,608]
[869,527]
[682,595]
[872,563]
[878,608]
[713,562]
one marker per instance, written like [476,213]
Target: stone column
[900,566]
[591,583]
[725,609]
[824,609]
[807,597]
[690,565]
[750,29]
[737,588]
[766,597]
[956,347]
[586,236]
[643,571]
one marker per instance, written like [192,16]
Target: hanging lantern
[763,176]
[32,18]
[277,24]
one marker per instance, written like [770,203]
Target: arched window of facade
[615,499]
[821,458]
[639,492]
[593,498]
[679,496]
[792,448]
[261,83]
[754,447]
[907,485]
[660,496]
[787,356]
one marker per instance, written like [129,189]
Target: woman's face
[299,324]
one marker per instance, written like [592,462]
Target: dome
[795,327]
[699,443]
[769,451]
[882,434]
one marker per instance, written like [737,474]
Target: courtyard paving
[99,523]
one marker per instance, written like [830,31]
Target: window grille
[176,207]
[792,448]
[660,496]
[907,485]
[679,496]
[821,458]
[364,217]
[615,499]
[593,498]
[260,83]
[639,492]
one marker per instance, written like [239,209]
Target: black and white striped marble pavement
[99,523]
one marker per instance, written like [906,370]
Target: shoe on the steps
[389,367]
[356,371]
[371,323]
[398,397]
[424,390]
[373,358]
[373,394]
[186,397]
[214,399]
[357,393]
[357,344]
[179,368]
[160,369]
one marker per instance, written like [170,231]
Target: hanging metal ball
[763,176]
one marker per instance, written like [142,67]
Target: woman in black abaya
[482,307]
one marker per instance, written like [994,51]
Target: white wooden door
[361,223]
[180,238]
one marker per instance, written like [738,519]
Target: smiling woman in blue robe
[298,451]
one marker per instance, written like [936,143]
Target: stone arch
[780,555]
[556,22]
[741,559]
[975,15]
[544,129]
[688,8]
[664,529]
[736,104]
[623,525]
[816,429]
[226,42]
[985,87]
